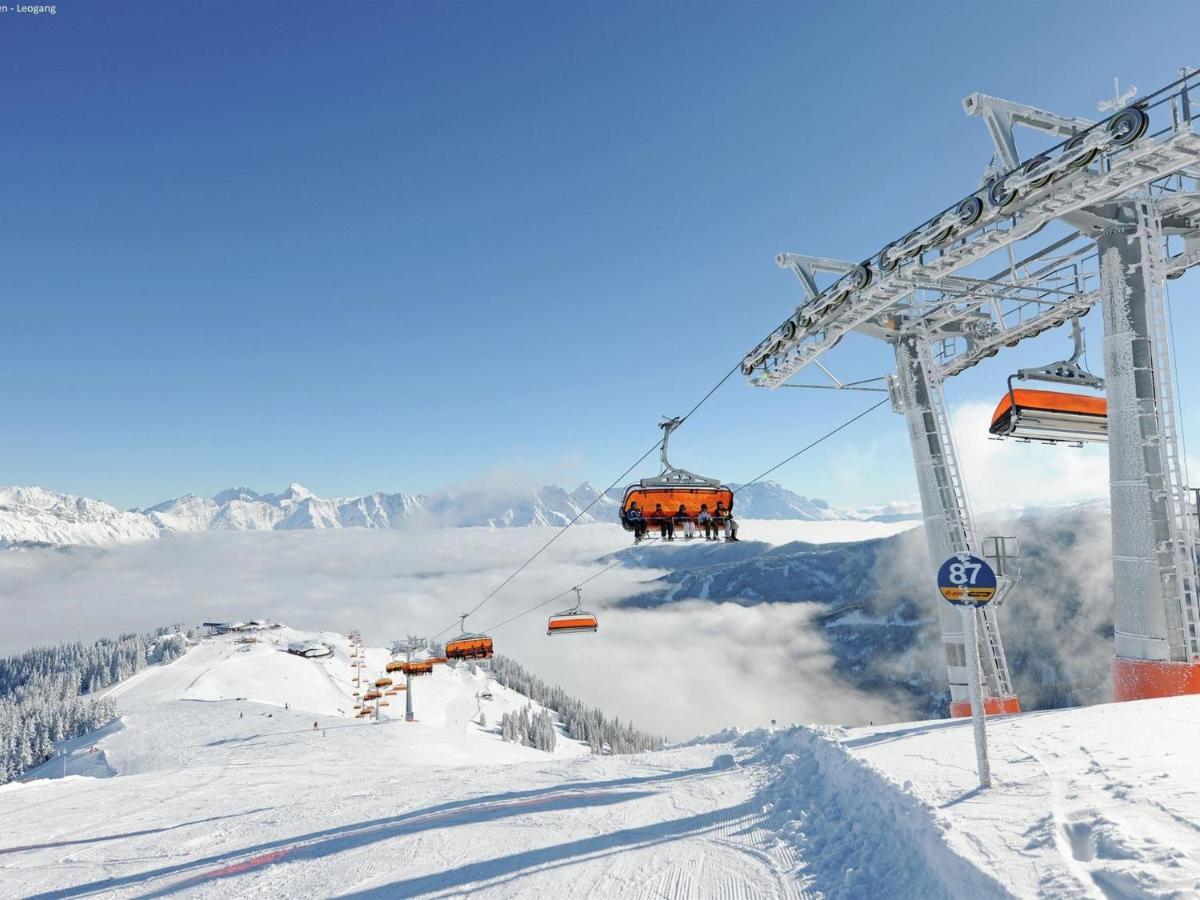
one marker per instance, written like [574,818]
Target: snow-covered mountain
[31,516]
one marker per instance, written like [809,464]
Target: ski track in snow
[195,801]
[207,804]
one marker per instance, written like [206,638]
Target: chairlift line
[595,500]
[808,447]
[618,562]
[562,594]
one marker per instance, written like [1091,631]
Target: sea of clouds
[682,670]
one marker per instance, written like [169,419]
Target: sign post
[969,583]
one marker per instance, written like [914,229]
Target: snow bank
[862,835]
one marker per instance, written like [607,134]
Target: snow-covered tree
[580,722]
[43,692]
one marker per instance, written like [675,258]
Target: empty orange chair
[1050,416]
[572,620]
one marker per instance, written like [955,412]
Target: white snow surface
[33,515]
[184,797]
[209,787]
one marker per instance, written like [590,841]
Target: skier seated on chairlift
[724,517]
[705,520]
[666,525]
[636,521]
[684,520]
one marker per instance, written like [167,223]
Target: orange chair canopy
[567,623]
[672,498]
[383,682]
[470,646]
[394,666]
[1050,416]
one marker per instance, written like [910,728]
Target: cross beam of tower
[1101,217]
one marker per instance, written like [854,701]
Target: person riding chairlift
[637,521]
[705,520]
[684,520]
[724,517]
[666,525]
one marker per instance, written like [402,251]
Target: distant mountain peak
[235,493]
[31,515]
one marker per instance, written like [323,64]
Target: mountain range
[32,516]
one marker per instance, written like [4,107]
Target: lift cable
[618,562]
[595,500]
[808,447]
[559,596]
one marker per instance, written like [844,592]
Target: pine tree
[43,692]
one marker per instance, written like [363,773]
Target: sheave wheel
[1128,125]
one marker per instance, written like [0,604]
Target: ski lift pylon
[673,487]
[1054,416]
[575,619]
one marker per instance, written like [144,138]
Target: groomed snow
[209,787]
[215,789]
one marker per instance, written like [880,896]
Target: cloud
[1006,474]
[679,670]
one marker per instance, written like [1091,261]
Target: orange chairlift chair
[673,487]
[1054,416]
[417,667]
[469,646]
[572,620]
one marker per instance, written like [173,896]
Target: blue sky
[396,246]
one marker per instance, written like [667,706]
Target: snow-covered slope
[210,786]
[1099,802]
[38,516]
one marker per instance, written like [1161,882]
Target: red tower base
[992,706]
[1145,679]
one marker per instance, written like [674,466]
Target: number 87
[958,572]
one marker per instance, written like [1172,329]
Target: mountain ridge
[35,516]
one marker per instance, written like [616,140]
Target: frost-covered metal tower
[1102,217]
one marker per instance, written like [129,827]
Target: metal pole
[971,631]
[408,711]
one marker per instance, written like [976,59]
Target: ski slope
[216,789]
[209,787]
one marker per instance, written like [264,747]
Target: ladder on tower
[997,683]
[1177,554]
